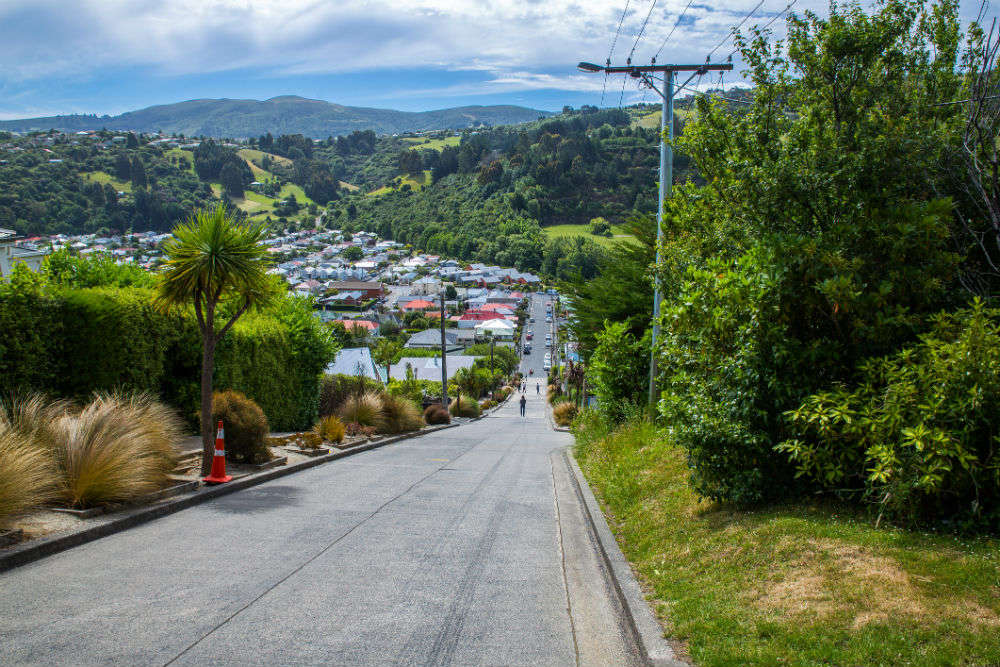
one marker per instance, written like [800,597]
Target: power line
[618,32]
[676,23]
[642,30]
[611,52]
[738,26]
[769,23]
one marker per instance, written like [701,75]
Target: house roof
[432,338]
[418,304]
[350,324]
[355,361]
[429,368]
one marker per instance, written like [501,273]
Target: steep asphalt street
[464,547]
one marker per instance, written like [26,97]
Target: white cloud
[45,37]
[520,44]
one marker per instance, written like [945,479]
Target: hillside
[279,115]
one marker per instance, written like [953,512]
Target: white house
[12,253]
[501,329]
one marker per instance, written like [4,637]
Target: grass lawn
[103,177]
[800,584]
[186,154]
[555,231]
[416,182]
[436,144]
[258,156]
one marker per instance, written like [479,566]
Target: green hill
[279,115]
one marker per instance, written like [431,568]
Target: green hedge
[72,342]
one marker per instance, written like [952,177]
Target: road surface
[462,547]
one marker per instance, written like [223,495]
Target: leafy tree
[386,353]
[219,265]
[138,174]
[232,180]
[353,253]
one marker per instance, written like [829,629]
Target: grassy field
[187,155]
[436,144]
[557,231]
[258,156]
[800,584]
[417,183]
[103,177]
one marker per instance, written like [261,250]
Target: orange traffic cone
[218,474]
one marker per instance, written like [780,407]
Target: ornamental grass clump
[364,409]
[330,429]
[26,474]
[563,413]
[400,414]
[245,426]
[437,414]
[466,408]
[117,448]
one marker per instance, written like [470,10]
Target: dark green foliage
[245,427]
[38,197]
[71,342]
[815,244]
[917,436]
[618,372]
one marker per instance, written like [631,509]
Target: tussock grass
[400,414]
[117,448]
[26,476]
[364,409]
[245,426]
[330,429]
[563,413]
[804,583]
[437,414]
[468,408]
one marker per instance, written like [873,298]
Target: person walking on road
[524,401]
[538,388]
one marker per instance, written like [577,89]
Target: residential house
[13,252]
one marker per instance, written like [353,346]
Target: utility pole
[645,72]
[444,359]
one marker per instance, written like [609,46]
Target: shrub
[330,429]
[437,414]
[118,448]
[466,409]
[618,370]
[335,389]
[310,440]
[400,414]
[245,426]
[487,404]
[563,413]
[104,338]
[27,471]
[364,409]
[918,434]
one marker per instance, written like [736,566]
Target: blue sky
[110,56]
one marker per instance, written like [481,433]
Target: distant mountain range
[278,115]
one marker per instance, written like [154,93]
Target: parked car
[546,366]
[531,319]
[527,349]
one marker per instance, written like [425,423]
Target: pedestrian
[538,388]
[524,402]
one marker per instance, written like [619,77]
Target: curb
[48,546]
[639,618]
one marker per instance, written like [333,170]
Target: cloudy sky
[109,56]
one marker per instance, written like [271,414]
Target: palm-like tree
[214,260]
